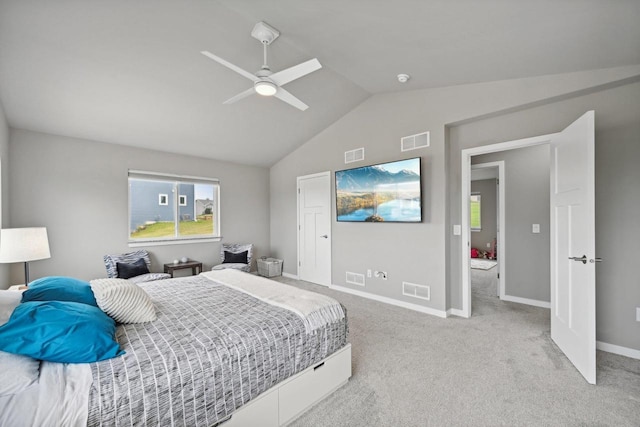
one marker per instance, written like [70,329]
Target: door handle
[583,258]
[324,236]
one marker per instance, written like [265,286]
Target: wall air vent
[354,155]
[416,291]
[355,278]
[413,142]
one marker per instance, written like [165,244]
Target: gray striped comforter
[211,350]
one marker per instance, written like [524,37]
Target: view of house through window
[164,207]
[476,223]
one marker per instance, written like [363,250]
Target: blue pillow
[60,331]
[59,288]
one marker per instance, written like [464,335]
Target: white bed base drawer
[286,401]
[262,411]
[313,385]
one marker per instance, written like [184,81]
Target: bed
[227,348]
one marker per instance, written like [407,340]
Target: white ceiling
[130,72]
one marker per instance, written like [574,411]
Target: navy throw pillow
[128,270]
[232,258]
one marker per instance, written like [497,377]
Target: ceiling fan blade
[229,65]
[286,96]
[285,76]
[239,96]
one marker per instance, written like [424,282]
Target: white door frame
[298,179]
[501,220]
[465,192]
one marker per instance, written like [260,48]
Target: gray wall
[617,116]
[4,201]
[486,188]
[526,255]
[428,253]
[408,252]
[78,190]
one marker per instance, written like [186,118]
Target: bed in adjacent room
[226,347]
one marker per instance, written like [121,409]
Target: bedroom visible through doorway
[485,207]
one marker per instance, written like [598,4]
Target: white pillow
[18,372]
[9,300]
[123,300]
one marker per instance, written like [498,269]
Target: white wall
[78,190]
[4,200]
[408,252]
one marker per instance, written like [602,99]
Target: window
[476,221]
[169,208]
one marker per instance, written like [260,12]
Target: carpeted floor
[499,368]
[482,264]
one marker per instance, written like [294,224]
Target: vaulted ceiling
[130,72]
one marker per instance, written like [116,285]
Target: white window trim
[166,198]
[477,229]
[180,198]
[175,240]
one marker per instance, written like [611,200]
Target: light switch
[457,230]
[535,228]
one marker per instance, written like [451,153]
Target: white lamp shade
[24,244]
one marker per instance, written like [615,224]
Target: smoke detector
[403,78]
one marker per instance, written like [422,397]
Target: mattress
[212,349]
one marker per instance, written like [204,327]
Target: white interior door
[573,299]
[314,228]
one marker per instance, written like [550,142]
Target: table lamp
[24,245]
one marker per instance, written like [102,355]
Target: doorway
[466,193]
[314,228]
[572,233]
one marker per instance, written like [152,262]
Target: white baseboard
[403,304]
[534,302]
[289,275]
[616,349]
[456,312]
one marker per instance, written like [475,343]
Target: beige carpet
[499,368]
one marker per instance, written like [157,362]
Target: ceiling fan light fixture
[265,88]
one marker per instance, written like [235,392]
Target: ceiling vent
[413,142]
[354,155]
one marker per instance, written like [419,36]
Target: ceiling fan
[266,82]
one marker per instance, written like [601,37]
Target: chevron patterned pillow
[123,300]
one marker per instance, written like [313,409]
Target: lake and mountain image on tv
[387,192]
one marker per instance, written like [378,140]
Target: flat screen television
[386,192]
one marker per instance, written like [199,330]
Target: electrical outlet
[489,245]
[637,314]
[369,273]
[381,275]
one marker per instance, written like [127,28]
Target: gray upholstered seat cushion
[235,266]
